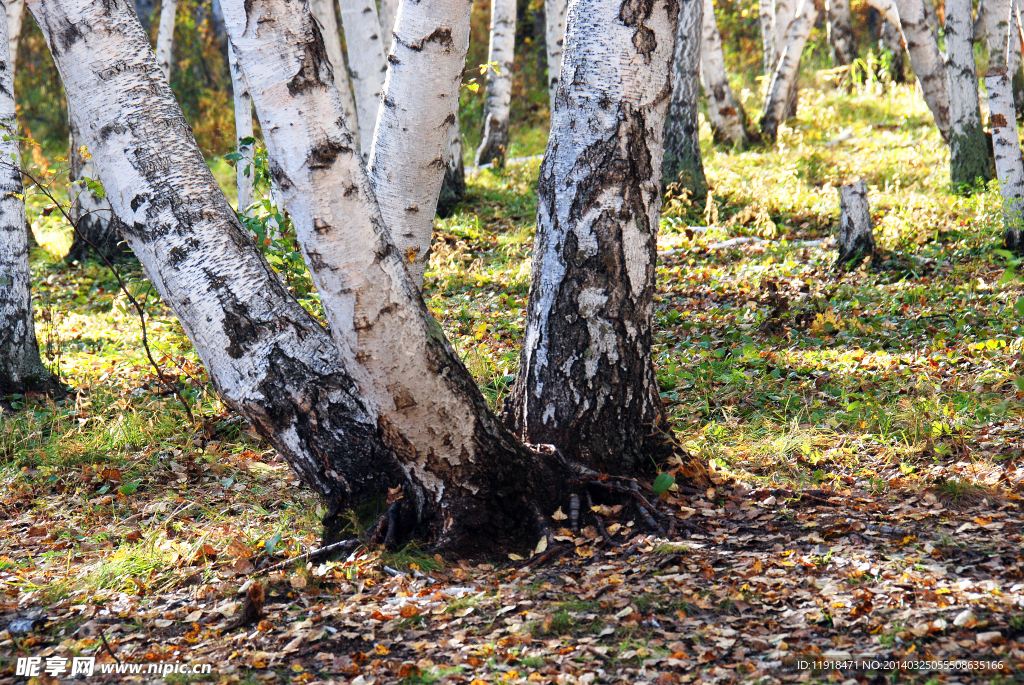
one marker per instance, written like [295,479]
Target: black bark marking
[316,67]
[441,35]
[324,155]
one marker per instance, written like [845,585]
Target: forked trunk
[245,173]
[366,48]
[586,380]
[412,146]
[15,12]
[500,51]
[470,477]
[856,240]
[323,12]
[20,365]
[267,357]
[728,120]
[165,36]
[682,162]
[925,58]
[1009,165]
[783,83]
[840,32]
[968,151]
[554,38]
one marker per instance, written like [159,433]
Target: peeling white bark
[840,32]
[554,38]
[856,240]
[15,12]
[426,403]
[366,47]
[968,151]
[19,354]
[500,51]
[266,356]
[586,381]
[244,173]
[165,36]
[925,58]
[1006,146]
[414,127]
[323,12]
[728,120]
[784,79]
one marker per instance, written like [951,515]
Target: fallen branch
[319,552]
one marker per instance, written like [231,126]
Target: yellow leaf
[382,650]
[559,515]
[541,546]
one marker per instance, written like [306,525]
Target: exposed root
[599,524]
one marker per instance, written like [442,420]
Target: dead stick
[344,544]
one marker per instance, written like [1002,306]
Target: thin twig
[120,283]
[107,647]
[312,554]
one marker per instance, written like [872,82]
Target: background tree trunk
[554,38]
[500,50]
[388,17]
[728,120]
[245,174]
[968,151]
[365,45]
[1009,165]
[586,380]
[784,79]
[682,162]
[786,12]
[412,147]
[892,42]
[925,59]
[165,36]
[323,12]
[15,12]
[20,365]
[453,187]
[856,240]
[97,227]
[267,357]
[840,32]
[769,52]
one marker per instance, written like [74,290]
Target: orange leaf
[408,611]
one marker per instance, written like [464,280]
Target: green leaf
[128,488]
[662,483]
[271,544]
[104,490]
[1019,306]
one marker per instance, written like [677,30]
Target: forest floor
[864,429]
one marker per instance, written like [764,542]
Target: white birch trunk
[840,32]
[323,12]
[366,48]
[426,403]
[453,187]
[856,240]
[728,120]
[244,172]
[500,51]
[892,39]
[165,36]
[968,151]
[20,365]
[769,54]
[925,58]
[554,38]
[784,78]
[268,359]
[15,12]
[97,229]
[1006,146]
[786,12]
[586,381]
[411,148]
[388,17]
[681,161]
[1001,33]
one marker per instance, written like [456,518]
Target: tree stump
[855,240]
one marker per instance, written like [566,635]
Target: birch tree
[388,16]
[586,381]
[97,229]
[323,12]
[925,59]
[784,79]
[245,174]
[413,145]
[554,38]
[681,161]
[892,42]
[840,32]
[856,239]
[1006,148]
[20,365]
[364,43]
[1001,34]
[453,185]
[728,120]
[500,52]
[165,36]
[769,54]
[15,12]
[968,152]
